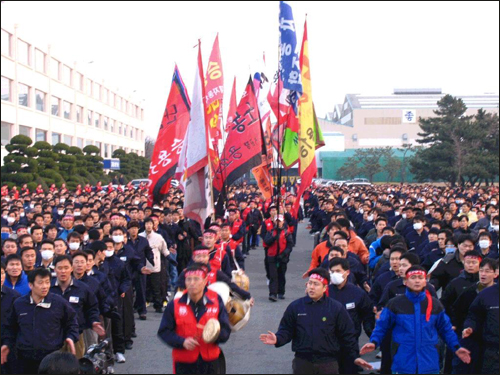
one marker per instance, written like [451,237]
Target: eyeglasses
[486,271]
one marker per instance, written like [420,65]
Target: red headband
[321,279]
[416,272]
[475,257]
[198,273]
[210,234]
[201,251]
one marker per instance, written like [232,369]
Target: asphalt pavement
[244,352]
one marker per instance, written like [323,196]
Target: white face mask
[404,216]
[11,220]
[427,212]
[78,213]
[484,244]
[370,218]
[361,211]
[47,254]
[22,214]
[60,212]
[86,238]
[117,239]
[418,226]
[336,278]
[109,253]
[62,200]
[494,203]
[136,202]
[495,228]
[74,246]
[123,213]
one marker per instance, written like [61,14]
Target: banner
[264,180]
[192,171]
[233,106]
[170,139]
[243,150]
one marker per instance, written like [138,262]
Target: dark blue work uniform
[9,296]
[144,252]
[83,301]
[483,318]
[94,285]
[379,285]
[38,330]
[320,333]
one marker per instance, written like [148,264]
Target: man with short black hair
[9,296]
[317,351]
[39,324]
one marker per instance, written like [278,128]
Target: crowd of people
[79,266]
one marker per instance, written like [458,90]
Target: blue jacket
[375,253]
[318,330]
[22,285]
[40,329]
[83,301]
[415,339]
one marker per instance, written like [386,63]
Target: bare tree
[149,146]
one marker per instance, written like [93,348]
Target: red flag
[244,149]
[170,139]
[233,106]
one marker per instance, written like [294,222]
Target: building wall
[116,120]
[382,127]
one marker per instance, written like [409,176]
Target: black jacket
[9,296]
[483,315]
[358,305]
[449,268]
[318,330]
[455,288]
[397,288]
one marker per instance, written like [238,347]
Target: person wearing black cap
[253,221]
[318,327]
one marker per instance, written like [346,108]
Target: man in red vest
[183,321]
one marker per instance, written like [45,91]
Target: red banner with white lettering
[244,147]
[170,139]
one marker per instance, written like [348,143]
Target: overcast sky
[355,47]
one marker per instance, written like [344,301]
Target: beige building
[392,120]
[52,100]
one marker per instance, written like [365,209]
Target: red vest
[187,326]
[232,244]
[235,227]
[211,277]
[216,261]
[273,249]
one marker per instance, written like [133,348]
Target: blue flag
[289,64]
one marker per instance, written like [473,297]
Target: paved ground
[245,354]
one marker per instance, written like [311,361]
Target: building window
[6,43]
[25,130]
[131,132]
[88,143]
[105,123]
[54,104]
[89,116]
[79,111]
[118,103]
[98,145]
[120,128]
[40,100]
[79,142]
[106,150]
[24,93]
[56,138]
[67,110]
[23,52]
[68,140]
[6,85]
[6,133]
[54,68]
[105,95]
[40,61]
[125,129]
[142,114]
[97,120]
[111,99]
[79,81]
[40,136]
[89,87]
[112,125]
[66,75]
[97,91]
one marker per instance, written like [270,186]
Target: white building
[51,100]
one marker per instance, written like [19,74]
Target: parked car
[137,182]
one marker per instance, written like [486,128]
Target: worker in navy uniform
[201,255]
[356,302]
[280,244]
[488,272]
[40,323]
[318,328]
[183,322]
[386,277]
[80,297]
[452,264]
[483,321]
[9,296]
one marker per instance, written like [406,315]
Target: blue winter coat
[415,340]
